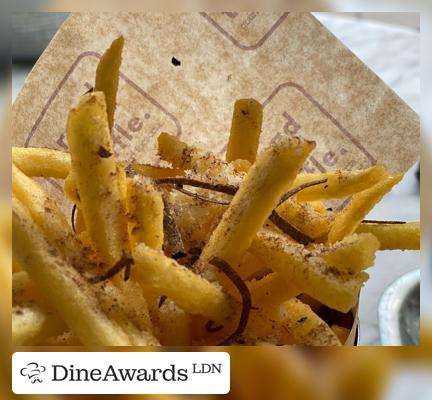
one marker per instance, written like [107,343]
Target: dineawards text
[112,374]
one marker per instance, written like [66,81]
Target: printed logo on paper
[246,30]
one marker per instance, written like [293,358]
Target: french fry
[50,163]
[39,204]
[195,219]
[303,325]
[341,332]
[201,163]
[141,169]
[102,204]
[319,206]
[250,265]
[241,165]
[31,324]
[245,130]
[339,184]
[394,236]
[58,231]
[190,291]
[61,283]
[80,223]
[271,290]
[266,182]
[146,208]
[347,220]
[354,253]
[124,303]
[65,339]
[178,153]
[41,162]
[71,190]
[311,275]
[23,289]
[107,76]
[174,325]
[122,180]
[152,171]
[304,218]
[56,227]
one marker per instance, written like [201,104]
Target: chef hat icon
[33,371]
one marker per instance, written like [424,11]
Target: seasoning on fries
[205,251]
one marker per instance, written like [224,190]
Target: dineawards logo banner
[120,373]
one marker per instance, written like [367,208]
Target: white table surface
[393,54]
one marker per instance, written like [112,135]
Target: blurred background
[389,43]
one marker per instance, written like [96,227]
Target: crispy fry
[271,290]
[50,163]
[29,192]
[352,254]
[258,195]
[124,303]
[79,222]
[319,206]
[311,275]
[339,184]
[61,283]
[122,181]
[250,265]
[59,232]
[41,162]
[174,325]
[304,218]
[23,289]
[347,221]
[195,219]
[303,325]
[245,130]
[65,339]
[152,171]
[178,153]
[31,324]
[190,291]
[102,203]
[201,163]
[341,332]
[146,209]
[71,190]
[107,76]
[394,236]
[241,165]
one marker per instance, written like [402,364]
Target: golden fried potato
[245,130]
[394,236]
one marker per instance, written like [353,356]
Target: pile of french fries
[194,251]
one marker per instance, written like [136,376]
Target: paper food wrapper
[309,83]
